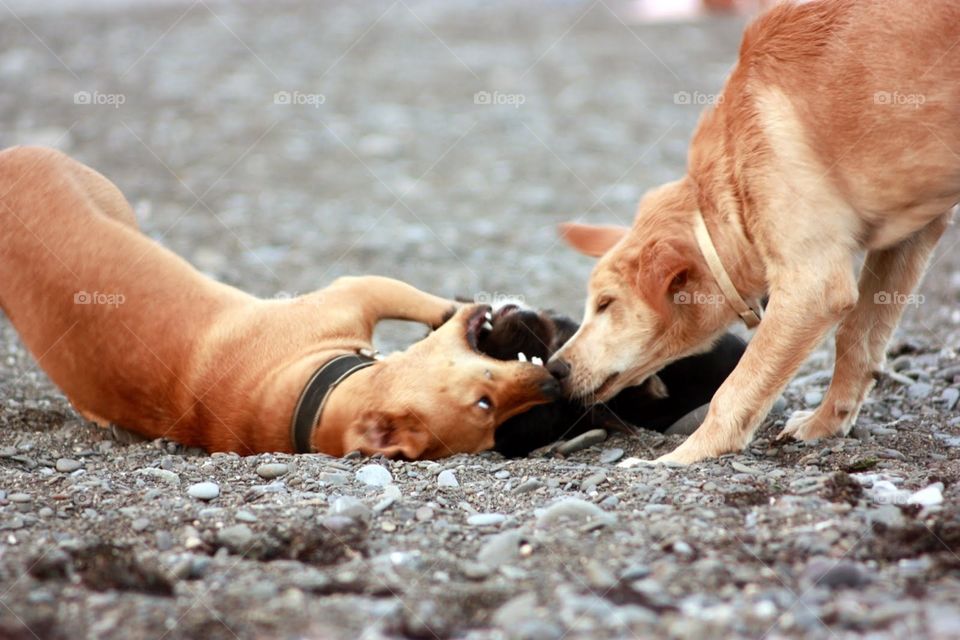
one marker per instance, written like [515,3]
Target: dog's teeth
[488,316]
[488,326]
[521,357]
[537,360]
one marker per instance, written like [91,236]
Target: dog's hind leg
[887,279]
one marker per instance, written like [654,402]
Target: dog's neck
[340,413]
[725,215]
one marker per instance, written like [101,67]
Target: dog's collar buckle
[750,314]
[309,407]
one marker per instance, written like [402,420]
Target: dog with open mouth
[519,333]
[136,337]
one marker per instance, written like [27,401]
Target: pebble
[836,575]
[742,468]
[486,519]
[530,485]
[351,508]
[204,490]
[245,516]
[140,524]
[582,441]
[447,479]
[813,398]
[689,422]
[374,475]
[950,396]
[160,474]
[591,482]
[888,515]
[928,496]
[609,456]
[919,390]
[271,470]
[501,548]
[68,465]
[236,537]
[423,514]
[573,509]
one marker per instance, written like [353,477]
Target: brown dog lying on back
[838,131]
[135,336]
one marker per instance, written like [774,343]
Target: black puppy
[656,404]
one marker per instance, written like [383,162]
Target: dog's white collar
[750,314]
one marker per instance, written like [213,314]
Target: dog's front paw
[811,425]
[449,313]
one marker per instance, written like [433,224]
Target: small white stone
[374,475]
[928,496]
[448,479]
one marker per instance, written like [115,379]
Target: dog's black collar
[314,396]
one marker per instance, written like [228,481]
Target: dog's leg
[800,313]
[389,299]
[887,278]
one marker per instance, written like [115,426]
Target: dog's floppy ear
[589,239]
[394,435]
[666,273]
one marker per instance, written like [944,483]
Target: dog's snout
[559,369]
[551,389]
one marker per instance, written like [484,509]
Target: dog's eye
[603,302]
[485,403]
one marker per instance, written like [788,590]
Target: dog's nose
[551,389]
[559,369]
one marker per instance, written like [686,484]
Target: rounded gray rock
[68,465]
[204,490]
[235,537]
[271,470]
[582,441]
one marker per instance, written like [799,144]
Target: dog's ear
[395,435]
[591,240]
[666,274]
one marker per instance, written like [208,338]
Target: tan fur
[838,131]
[185,357]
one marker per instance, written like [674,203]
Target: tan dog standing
[135,336]
[838,131]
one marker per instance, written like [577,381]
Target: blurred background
[278,145]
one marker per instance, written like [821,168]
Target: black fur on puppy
[656,404]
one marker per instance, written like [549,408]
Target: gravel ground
[385,162]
